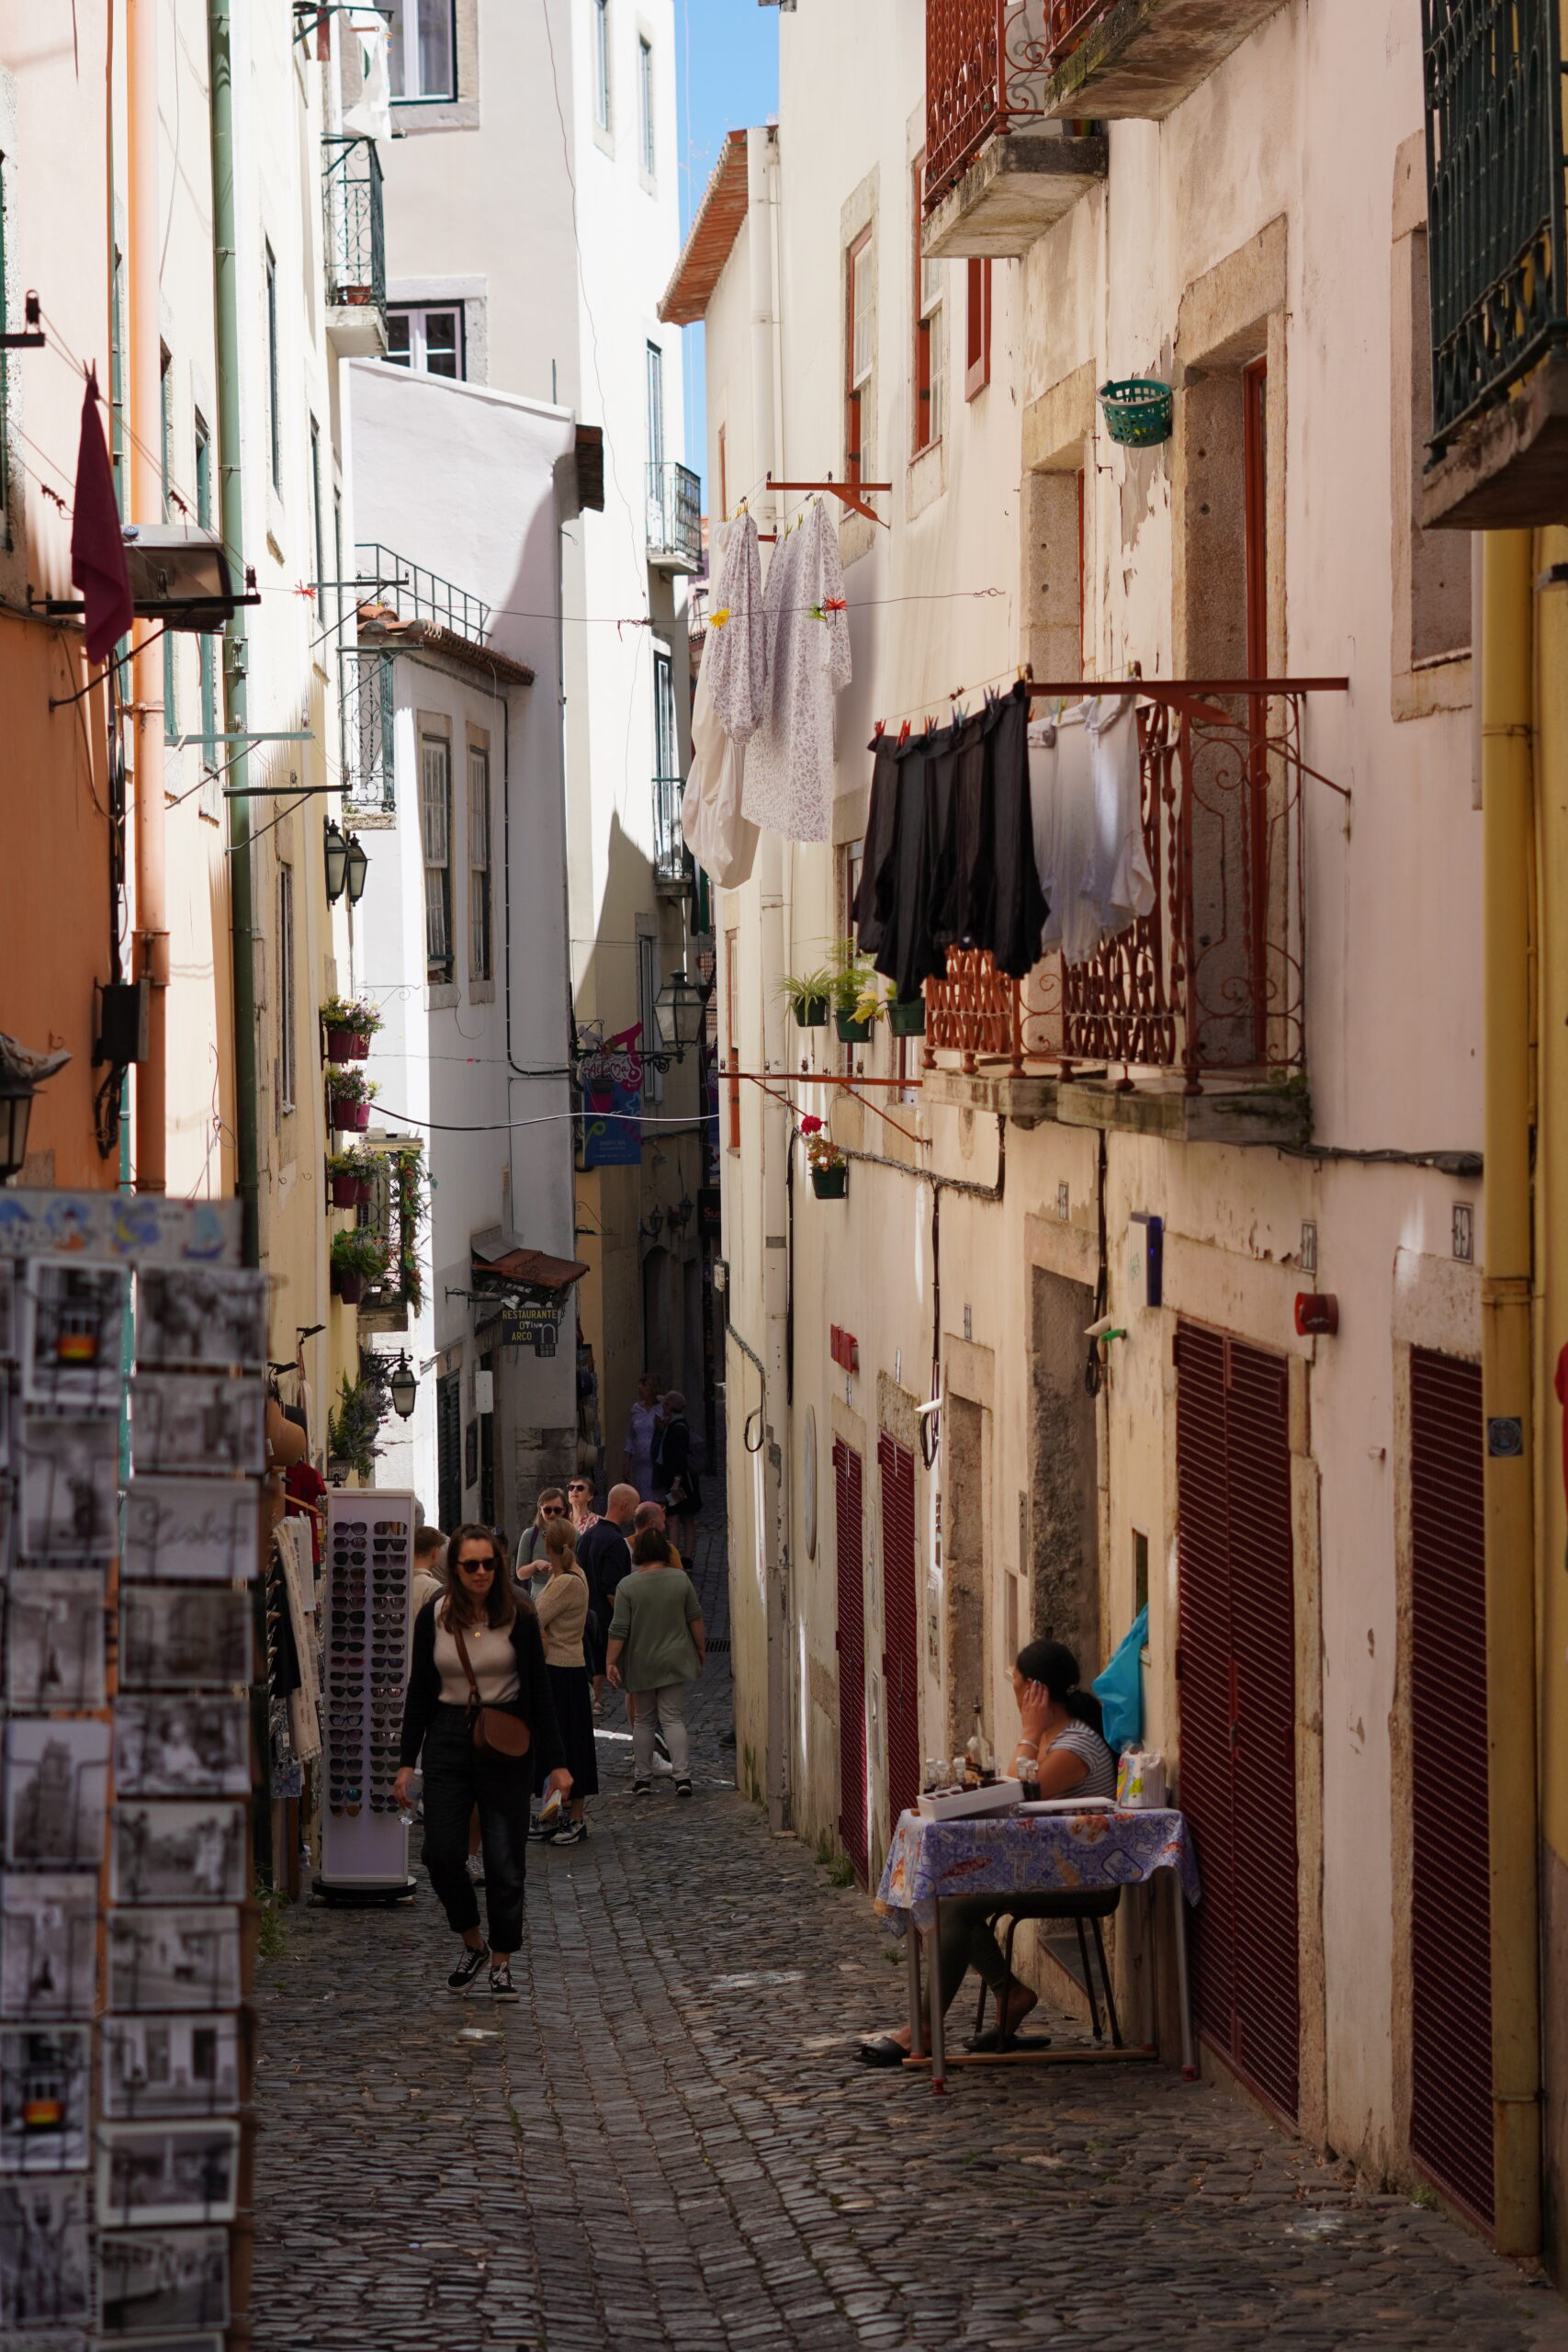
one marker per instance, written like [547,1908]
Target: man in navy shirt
[604,1553]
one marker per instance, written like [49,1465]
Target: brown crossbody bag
[503,1739]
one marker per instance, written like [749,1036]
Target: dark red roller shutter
[1451,1915]
[1238,1701]
[901,1659]
[850,1547]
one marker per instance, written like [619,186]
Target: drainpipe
[775,1124]
[144,379]
[1509,946]
[231,520]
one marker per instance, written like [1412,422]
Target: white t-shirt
[490,1654]
[1080,1740]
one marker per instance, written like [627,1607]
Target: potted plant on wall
[350,1178]
[809,996]
[359,1258]
[350,1024]
[349,1097]
[829,1168]
[856,1003]
[906,1015]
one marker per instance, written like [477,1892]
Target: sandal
[881,2049]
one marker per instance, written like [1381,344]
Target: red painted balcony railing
[988,63]
[1210,980]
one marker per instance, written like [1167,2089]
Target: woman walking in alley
[657,1646]
[580,1497]
[642,1425]
[550,1508]
[1060,1752]
[562,1608]
[477,1655]
[674,1476]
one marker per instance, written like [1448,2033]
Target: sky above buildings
[728,64]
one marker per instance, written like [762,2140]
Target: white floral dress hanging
[789,762]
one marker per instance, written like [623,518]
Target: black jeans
[457,1779]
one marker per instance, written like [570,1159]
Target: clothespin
[876,732]
[716,621]
[903,734]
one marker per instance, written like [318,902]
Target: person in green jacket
[657,1645]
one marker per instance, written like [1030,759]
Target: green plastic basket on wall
[1138,412]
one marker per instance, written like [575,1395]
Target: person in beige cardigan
[562,1609]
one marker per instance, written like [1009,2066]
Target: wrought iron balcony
[413,593]
[674,517]
[997,172]
[671,858]
[1497,251]
[1211,982]
[355,242]
[365,691]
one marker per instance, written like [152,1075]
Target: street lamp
[337,864]
[358,865]
[681,1005]
[404,1388]
[16,1111]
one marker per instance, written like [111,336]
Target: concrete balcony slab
[1016,187]
[1146,56]
[1507,468]
[1236,1115]
[1025,1099]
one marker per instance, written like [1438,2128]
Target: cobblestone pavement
[668,2143]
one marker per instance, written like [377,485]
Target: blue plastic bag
[1120,1689]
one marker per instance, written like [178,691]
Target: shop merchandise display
[369,1560]
[126,1330]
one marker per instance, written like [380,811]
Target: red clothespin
[903,734]
[876,732]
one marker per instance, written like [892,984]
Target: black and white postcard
[191,1529]
[178,1852]
[44,2274]
[155,2281]
[49,1933]
[181,1747]
[67,1471]
[54,1638]
[45,2093]
[183,1636]
[200,1315]
[72,1334]
[163,2066]
[56,1792]
[199,1423]
[167,2173]
[174,1959]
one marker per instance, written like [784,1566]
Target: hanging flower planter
[1139,411]
[349,1097]
[350,1288]
[907,1019]
[830,1169]
[345,1192]
[830,1183]
[811,1012]
[851,1031]
[349,1116]
[349,1026]
[363,1192]
[358,1259]
[807,995]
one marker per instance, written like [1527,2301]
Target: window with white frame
[421,48]
[933,325]
[436,831]
[859,263]
[602,64]
[479,953]
[286,1070]
[645,103]
[655,405]
[427,338]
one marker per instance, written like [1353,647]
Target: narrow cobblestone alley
[668,2142]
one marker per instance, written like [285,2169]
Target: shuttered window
[1451,1920]
[848,1481]
[1236,1663]
[479,863]
[901,1659]
[435,829]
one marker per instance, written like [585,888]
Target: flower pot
[345,1192]
[363,1190]
[851,1031]
[830,1183]
[360,1045]
[350,1288]
[340,1045]
[811,1012]
[907,1020]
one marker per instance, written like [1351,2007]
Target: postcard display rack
[370,1565]
[129,1333]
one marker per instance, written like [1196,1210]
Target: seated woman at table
[1060,1752]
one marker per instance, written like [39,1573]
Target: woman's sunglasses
[474,1567]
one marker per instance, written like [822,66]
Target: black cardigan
[533,1703]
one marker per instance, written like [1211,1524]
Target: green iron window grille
[364,686]
[1495,205]
[356,242]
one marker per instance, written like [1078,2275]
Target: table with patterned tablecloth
[1024,1853]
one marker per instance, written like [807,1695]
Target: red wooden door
[1450,1923]
[1238,1701]
[848,1481]
[901,1659]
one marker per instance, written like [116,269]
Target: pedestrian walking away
[477,1649]
[563,1614]
[657,1644]
[642,1424]
[603,1554]
[676,1477]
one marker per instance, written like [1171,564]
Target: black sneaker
[642,1788]
[541,1833]
[682,1788]
[467,1968]
[501,1988]
[573,1835]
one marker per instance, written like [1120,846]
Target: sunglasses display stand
[365,1651]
